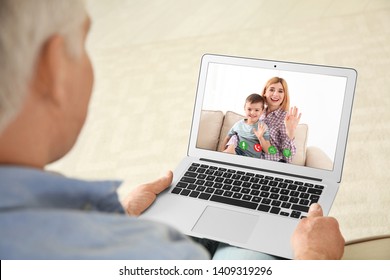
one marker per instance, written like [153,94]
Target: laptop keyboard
[249,190]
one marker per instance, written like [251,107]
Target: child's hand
[261,128]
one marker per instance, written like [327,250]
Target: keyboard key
[286,205]
[201,170]
[194,194]
[275,210]
[185,192]
[282,185]
[209,190]
[276,203]
[295,214]
[292,187]
[300,208]
[208,184]
[255,192]
[245,178]
[192,168]
[294,193]
[182,185]
[302,189]
[200,182]
[205,196]
[273,183]
[264,208]
[218,192]
[283,198]
[266,201]
[188,180]
[254,180]
[314,198]
[235,202]
[274,190]
[304,202]
[237,183]
[264,194]
[228,193]
[176,190]
[228,181]
[245,191]
[191,174]
[284,192]
[209,172]
[191,187]
[237,195]
[314,191]
[227,187]
[265,188]
[304,195]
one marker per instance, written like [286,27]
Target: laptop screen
[232,109]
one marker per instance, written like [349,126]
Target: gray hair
[25,26]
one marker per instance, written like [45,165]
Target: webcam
[274,66]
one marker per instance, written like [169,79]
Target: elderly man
[46,82]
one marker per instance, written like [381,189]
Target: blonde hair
[286,101]
[25,26]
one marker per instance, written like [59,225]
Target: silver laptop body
[323,94]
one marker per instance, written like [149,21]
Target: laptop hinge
[263,170]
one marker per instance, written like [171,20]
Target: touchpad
[227,224]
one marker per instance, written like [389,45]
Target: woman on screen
[280,120]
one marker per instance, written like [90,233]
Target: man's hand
[317,237]
[141,197]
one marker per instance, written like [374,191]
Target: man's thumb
[163,182]
[315,210]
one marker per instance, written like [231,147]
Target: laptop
[255,202]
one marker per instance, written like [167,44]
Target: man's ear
[47,82]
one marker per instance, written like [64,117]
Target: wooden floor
[146,58]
